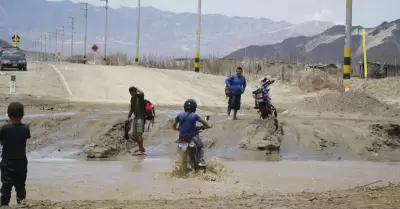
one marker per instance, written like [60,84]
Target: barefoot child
[14,163]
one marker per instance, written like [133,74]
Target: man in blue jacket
[236,85]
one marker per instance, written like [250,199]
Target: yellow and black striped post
[137,60]
[197,62]
[347,47]
[197,55]
[105,60]
[137,36]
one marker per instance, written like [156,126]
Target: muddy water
[58,174]
[143,179]
[66,145]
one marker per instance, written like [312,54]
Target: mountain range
[382,44]
[162,32]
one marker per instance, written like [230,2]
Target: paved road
[169,87]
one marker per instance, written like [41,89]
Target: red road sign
[95,48]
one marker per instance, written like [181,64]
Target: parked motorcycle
[263,102]
[189,152]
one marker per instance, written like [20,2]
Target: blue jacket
[236,84]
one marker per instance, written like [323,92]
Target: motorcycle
[189,152]
[263,102]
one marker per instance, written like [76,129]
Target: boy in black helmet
[14,163]
[187,126]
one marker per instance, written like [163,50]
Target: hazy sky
[365,12]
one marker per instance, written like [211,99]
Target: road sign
[16,39]
[59,53]
[95,48]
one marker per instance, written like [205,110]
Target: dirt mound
[351,101]
[44,131]
[387,136]
[215,171]
[262,135]
[315,80]
[107,138]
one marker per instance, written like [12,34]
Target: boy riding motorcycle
[187,126]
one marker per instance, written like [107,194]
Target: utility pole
[56,48]
[45,44]
[49,44]
[34,47]
[41,48]
[62,41]
[197,55]
[137,36]
[347,46]
[105,37]
[85,44]
[72,36]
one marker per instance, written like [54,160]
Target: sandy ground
[77,111]
[383,197]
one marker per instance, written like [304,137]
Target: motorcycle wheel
[183,168]
[263,110]
[192,158]
[273,111]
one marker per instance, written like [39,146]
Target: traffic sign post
[13,79]
[94,49]
[59,56]
[16,39]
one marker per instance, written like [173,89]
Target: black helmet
[190,106]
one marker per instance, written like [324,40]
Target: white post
[13,79]
[94,57]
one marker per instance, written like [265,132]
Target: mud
[263,135]
[386,197]
[97,132]
[387,136]
[354,101]
[215,171]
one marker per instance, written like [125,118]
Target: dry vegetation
[306,77]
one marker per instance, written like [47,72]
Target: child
[14,163]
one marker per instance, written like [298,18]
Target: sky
[368,13]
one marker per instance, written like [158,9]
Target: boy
[138,108]
[187,126]
[14,163]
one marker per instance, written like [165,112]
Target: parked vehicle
[12,58]
[263,102]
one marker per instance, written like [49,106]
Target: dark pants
[234,101]
[200,147]
[13,173]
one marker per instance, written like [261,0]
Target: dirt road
[384,197]
[77,111]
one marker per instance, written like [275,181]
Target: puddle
[290,151]
[43,115]
[140,178]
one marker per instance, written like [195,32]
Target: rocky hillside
[383,44]
[162,32]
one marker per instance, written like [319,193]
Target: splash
[215,171]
